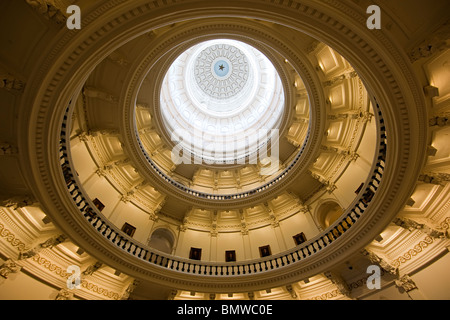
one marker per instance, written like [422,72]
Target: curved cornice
[382,66]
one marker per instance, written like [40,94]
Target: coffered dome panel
[222,71]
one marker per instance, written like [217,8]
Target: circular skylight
[217,100]
[221,71]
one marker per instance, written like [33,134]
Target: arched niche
[328,212]
[162,239]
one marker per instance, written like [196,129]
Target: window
[230,255]
[299,238]
[265,251]
[195,254]
[128,229]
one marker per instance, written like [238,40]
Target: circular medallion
[221,71]
[221,68]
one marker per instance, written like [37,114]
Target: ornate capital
[339,282]
[9,266]
[10,83]
[49,10]
[64,294]
[379,261]
[405,283]
[92,268]
[7,149]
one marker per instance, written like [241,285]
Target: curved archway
[328,212]
[162,239]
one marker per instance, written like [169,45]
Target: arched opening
[162,239]
[328,212]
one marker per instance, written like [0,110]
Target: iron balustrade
[215,269]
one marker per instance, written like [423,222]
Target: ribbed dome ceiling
[217,97]
[222,71]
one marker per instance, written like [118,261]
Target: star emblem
[221,67]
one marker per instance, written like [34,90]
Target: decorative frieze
[47,244]
[435,178]
[411,224]
[118,58]
[413,252]
[437,42]
[89,271]
[97,93]
[340,78]
[11,238]
[439,121]
[85,285]
[17,202]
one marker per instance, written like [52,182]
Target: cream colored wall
[434,281]
[230,241]
[21,286]
[300,222]
[246,246]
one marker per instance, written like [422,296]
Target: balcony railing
[301,252]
